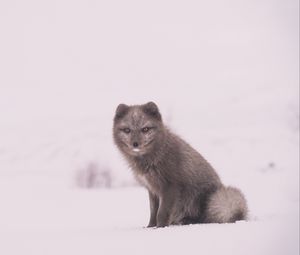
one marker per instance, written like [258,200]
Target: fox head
[137,129]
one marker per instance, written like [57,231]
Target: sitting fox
[183,187]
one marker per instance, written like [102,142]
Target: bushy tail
[226,205]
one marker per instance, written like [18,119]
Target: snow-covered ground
[43,218]
[225,76]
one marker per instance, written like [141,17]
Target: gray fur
[183,187]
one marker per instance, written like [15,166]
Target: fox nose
[135,144]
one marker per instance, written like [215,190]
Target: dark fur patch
[152,110]
[121,111]
[239,215]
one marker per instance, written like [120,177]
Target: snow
[225,76]
[41,217]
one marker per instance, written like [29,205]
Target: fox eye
[145,129]
[126,130]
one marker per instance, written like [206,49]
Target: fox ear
[121,110]
[152,110]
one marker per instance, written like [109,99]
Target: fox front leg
[166,205]
[154,204]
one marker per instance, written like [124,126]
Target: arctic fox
[183,187]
